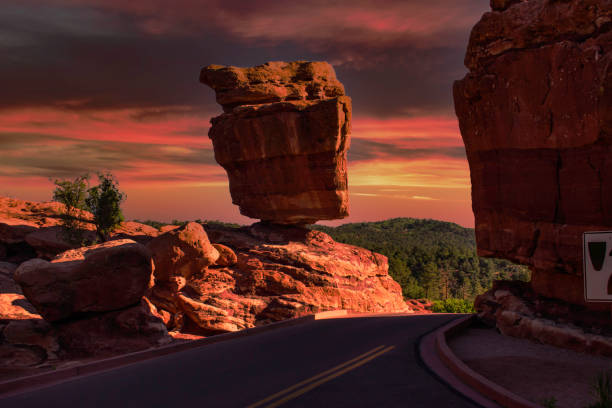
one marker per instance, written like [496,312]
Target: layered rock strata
[282,139]
[275,273]
[535,115]
[536,119]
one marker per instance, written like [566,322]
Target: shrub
[453,305]
[72,194]
[104,202]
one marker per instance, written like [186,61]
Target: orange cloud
[406,166]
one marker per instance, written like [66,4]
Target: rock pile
[518,311]
[266,273]
[282,139]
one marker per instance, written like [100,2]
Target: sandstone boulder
[271,82]
[114,332]
[534,113]
[97,278]
[182,252]
[283,139]
[13,305]
[227,257]
[136,231]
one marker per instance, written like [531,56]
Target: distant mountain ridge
[429,258]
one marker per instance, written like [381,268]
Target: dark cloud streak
[366,150]
[88,55]
[37,154]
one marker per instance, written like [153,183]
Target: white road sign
[597,256]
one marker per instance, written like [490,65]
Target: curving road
[348,362]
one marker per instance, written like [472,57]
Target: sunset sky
[90,85]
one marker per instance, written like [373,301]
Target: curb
[479,383]
[19,385]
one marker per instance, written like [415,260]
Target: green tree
[431,280]
[104,202]
[412,244]
[72,194]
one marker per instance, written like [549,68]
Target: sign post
[597,266]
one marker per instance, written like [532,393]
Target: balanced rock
[282,139]
[182,252]
[536,119]
[97,278]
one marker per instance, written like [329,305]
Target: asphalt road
[349,362]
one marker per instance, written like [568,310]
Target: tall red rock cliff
[283,139]
[535,113]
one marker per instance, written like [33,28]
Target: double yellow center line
[304,386]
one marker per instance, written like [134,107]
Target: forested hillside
[429,258]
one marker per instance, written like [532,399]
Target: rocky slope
[121,295]
[534,113]
[283,139]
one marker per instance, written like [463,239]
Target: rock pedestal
[282,139]
[268,273]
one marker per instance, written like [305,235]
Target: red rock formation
[281,272]
[518,311]
[534,113]
[115,332]
[13,305]
[93,296]
[31,230]
[283,139]
[97,278]
[227,257]
[182,252]
[26,340]
[249,276]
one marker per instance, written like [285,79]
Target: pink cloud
[166,151]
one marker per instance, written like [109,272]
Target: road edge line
[24,384]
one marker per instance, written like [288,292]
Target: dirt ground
[533,371]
